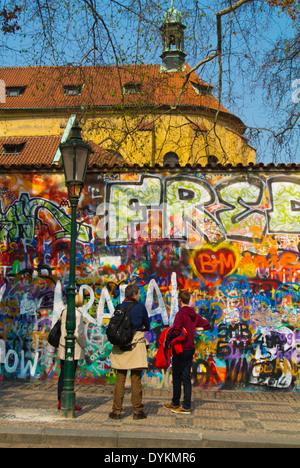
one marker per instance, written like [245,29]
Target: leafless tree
[237,46]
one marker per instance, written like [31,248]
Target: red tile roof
[102,86]
[102,156]
[39,151]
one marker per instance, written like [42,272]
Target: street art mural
[232,239]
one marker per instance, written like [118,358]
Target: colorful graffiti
[232,239]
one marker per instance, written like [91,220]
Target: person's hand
[199,329]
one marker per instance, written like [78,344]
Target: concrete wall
[231,238]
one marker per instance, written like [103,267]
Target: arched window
[212,160]
[171,158]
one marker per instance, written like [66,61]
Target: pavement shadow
[152,407]
[90,404]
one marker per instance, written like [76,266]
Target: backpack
[119,331]
[55,333]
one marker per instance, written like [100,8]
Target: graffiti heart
[211,264]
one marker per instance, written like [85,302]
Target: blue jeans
[181,371]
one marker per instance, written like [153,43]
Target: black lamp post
[75,154]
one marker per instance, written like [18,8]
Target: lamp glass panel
[68,160]
[81,163]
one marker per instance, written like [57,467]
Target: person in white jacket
[79,345]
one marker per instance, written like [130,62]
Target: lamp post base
[68,404]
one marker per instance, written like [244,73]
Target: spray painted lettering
[184,207]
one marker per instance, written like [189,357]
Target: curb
[59,438]
[240,441]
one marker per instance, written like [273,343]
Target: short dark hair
[131,290]
[185,296]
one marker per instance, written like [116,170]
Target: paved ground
[29,418]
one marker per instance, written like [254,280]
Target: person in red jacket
[186,318]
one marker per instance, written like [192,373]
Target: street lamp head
[75,154]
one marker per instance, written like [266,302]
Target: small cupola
[172,30]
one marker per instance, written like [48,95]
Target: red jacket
[187,318]
[166,346]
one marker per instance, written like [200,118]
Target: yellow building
[141,114]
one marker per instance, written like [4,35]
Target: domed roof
[172,15]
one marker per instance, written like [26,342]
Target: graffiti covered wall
[232,239]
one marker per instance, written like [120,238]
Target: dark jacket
[187,318]
[139,316]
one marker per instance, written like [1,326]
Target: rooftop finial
[172,15]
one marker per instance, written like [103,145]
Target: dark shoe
[141,415]
[113,415]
